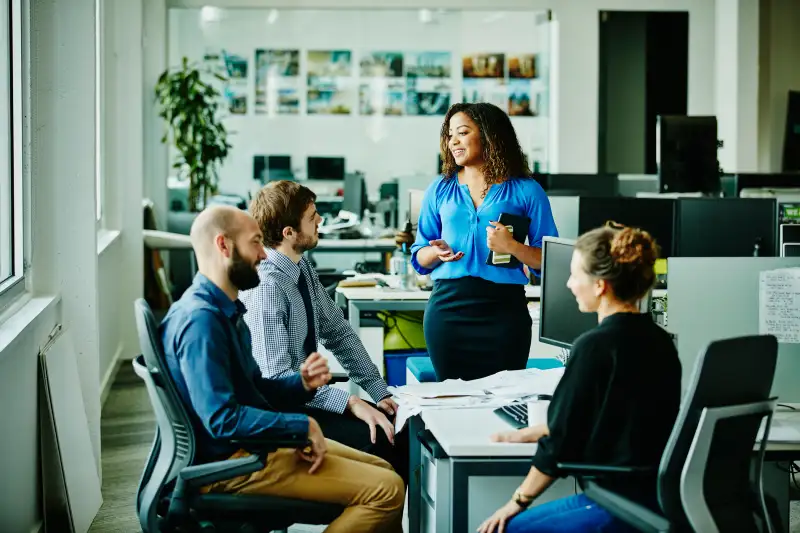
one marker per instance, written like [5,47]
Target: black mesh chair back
[729,373]
[170,476]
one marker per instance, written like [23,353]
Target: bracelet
[523,500]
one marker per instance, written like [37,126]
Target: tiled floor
[127,432]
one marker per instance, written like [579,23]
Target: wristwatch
[523,500]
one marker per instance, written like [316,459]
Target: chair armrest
[633,514]
[259,447]
[265,445]
[590,470]
[205,474]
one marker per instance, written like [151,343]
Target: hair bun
[634,246]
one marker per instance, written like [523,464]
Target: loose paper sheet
[779,304]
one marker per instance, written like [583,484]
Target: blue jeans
[574,514]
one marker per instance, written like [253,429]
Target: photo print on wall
[381,91]
[277,82]
[484,79]
[522,66]
[428,83]
[330,82]
[233,68]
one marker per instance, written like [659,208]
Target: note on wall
[779,304]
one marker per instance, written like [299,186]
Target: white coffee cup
[537,409]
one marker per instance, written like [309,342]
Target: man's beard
[305,243]
[243,275]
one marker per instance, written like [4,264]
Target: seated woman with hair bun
[618,399]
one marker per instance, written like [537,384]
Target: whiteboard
[73,442]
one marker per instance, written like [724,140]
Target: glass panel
[6,167]
[364,88]
[98,110]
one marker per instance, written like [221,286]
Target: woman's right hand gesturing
[444,252]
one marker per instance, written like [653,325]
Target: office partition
[565,215]
[717,298]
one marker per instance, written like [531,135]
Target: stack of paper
[491,392]
[781,431]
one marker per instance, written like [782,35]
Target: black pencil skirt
[475,328]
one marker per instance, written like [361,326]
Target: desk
[464,477]
[386,247]
[358,299]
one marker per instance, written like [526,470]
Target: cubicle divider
[716,298]
[565,215]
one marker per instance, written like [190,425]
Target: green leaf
[190,107]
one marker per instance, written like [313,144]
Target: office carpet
[127,431]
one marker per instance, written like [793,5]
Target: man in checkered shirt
[290,312]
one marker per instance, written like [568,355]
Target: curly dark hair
[502,155]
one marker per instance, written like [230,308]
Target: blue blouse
[447,212]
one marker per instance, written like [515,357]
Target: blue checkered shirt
[276,316]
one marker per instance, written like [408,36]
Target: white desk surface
[385,293]
[333,244]
[467,432]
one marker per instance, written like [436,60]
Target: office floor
[127,432]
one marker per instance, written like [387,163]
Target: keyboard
[516,415]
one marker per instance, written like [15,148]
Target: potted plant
[190,107]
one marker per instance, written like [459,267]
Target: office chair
[704,481]
[169,495]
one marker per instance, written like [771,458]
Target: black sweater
[616,403]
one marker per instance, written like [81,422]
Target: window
[11,208]
[98,112]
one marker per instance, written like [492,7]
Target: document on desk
[444,389]
[779,304]
[496,390]
[781,431]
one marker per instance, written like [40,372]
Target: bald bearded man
[208,352]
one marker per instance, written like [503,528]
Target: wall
[120,264]
[779,45]
[572,136]
[381,146]
[737,83]
[156,160]
[62,179]
[20,495]
[69,284]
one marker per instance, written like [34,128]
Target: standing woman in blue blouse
[477,322]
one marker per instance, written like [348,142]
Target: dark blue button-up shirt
[208,351]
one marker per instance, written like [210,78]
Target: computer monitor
[654,215]
[259,168]
[789,233]
[415,197]
[325,168]
[279,162]
[791,249]
[726,227]
[774,180]
[582,185]
[686,154]
[355,194]
[560,320]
